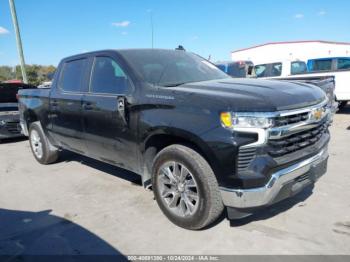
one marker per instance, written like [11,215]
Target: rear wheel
[43,152]
[186,188]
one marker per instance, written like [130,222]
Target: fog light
[2,122]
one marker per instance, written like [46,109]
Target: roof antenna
[181,48]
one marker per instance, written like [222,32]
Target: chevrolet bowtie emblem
[317,114]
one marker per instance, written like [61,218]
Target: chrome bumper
[24,128]
[263,196]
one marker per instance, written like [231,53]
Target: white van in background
[298,70]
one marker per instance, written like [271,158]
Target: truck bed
[34,101]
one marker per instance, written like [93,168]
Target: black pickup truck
[200,139]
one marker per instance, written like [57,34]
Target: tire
[194,202]
[43,152]
[342,105]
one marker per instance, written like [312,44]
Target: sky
[53,29]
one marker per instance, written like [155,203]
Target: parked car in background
[280,69]
[201,139]
[328,64]
[46,84]
[298,70]
[239,69]
[9,115]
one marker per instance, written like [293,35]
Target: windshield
[171,67]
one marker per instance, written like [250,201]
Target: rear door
[66,104]
[106,116]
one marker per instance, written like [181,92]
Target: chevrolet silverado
[200,139]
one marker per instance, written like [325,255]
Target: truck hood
[255,95]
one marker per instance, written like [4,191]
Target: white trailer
[288,60]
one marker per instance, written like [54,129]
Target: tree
[36,73]
[6,72]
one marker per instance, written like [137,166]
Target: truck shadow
[296,201]
[67,156]
[24,233]
[345,110]
[13,140]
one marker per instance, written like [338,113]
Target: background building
[297,50]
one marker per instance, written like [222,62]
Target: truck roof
[120,51]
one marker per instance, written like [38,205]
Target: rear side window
[343,63]
[72,76]
[298,67]
[108,77]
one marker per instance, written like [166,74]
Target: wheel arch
[30,117]
[158,140]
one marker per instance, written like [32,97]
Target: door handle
[121,103]
[88,106]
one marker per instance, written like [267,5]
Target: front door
[105,114]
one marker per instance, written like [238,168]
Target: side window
[108,77]
[298,67]
[343,63]
[268,70]
[72,76]
[276,69]
[260,70]
[322,65]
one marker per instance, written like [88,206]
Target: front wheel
[186,188]
[43,152]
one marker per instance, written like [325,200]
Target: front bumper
[10,127]
[282,184]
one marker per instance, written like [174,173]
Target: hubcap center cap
[181,187]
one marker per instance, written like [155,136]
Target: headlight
[233,120]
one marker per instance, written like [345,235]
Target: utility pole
[18,40]
[152,28]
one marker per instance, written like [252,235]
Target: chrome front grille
[291,119]
[245,157]
[291,131]
[295,142]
